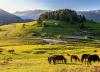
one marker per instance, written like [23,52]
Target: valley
[25,46]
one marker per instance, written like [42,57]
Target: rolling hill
[6,17]
[52,27]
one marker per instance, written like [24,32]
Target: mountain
[6,17]
[91,15]
[34,14]
[30,14]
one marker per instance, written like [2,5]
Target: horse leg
[86,61]
[65,61]
[54,61]
[94,61]
[62,61]
[49,62]
[71,59]
[89,62]
[82,59]
[76,60]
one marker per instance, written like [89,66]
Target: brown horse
[56,58]
[93,58]
[11,51]
[51,58]
[1,51]
[75,57]
[84,57]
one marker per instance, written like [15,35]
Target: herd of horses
[9,51]
[85,57]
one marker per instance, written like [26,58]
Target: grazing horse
[75,57]
[51,58]
[56,58]
[11,51]
[60,58]
[93,58]
[84,57]
[1,51]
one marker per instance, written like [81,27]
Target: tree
[39,21]
[63,15]
[82,26]
[84,19]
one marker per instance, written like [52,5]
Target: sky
[23,5]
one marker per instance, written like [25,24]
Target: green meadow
[32,51]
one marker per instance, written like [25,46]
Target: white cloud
[19,5]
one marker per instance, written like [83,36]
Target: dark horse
[56,58]
[11,51]
[93,58]
[84,57]
[75,57]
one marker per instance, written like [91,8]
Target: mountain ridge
[91,15]
[30,14]
[6,17]
[34,14]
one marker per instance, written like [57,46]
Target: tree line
[63,15]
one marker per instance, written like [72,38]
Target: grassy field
[53,28]
[33,58]
[31,53]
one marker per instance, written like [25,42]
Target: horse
[51,58]
[60,58]
[56,58]
[75,57]
[1,51]
[84,57]
[93,58]
[11,51]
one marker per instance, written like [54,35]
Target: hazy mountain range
[6,17]
[34,14]
[19,16]
[30,14]
[91,15]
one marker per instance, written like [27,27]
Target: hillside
[6,17]
[52,28]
